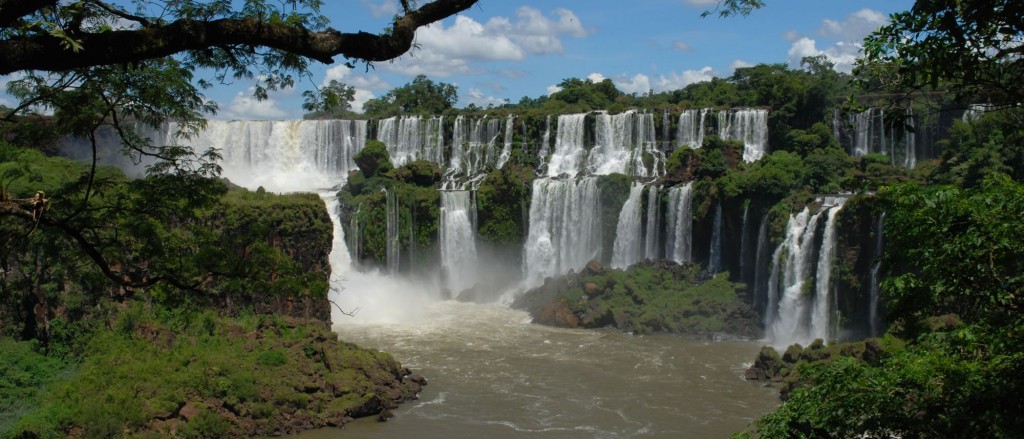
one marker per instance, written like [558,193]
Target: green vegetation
[650,296]
[159,372]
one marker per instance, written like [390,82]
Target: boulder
[557,314]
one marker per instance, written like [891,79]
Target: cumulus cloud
[596,77]
[739,64]
[480,99]
[245,107]
[367,85]
[552,89]
[450,50]
[675,81]
[854,27]
[842,40]
[638,83]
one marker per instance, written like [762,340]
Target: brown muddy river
[492,374]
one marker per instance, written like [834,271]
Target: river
[494,374]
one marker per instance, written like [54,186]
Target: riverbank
[160,373]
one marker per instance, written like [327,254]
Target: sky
[506,49]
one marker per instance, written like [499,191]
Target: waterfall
[862,133]
[281,156]
[545,147]
[910,140]
[652,247]
[691,128]
[821,321]
[760,265]
[799,303]
[628,246]
[743,245]
[613,143]
[486,137]
[622,143]
[565,228]
[784,318]
[457,240]
[715,260]
[874,321]
[393,224]
[680,223]
[747,125]
[569,150]
[506,150]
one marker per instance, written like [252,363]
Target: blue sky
[507,49]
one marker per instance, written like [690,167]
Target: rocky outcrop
[652,296]
[770,367]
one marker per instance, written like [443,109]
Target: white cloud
[385,8]
[675,81]
[739,64]
[448,51]
[854,27]
[638,83]
[847,36]
[246,107]
[596,77]
[478,98]
[802,48]
[552,89]
[366,85]
[681,46]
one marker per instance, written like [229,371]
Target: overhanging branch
[47,53]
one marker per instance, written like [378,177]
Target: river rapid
[494,374]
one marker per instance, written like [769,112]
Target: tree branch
[12,10]
[47,53]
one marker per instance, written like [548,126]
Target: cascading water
[613,143]
[744,245]
[506,150]
[457,240]
[545,147]
[821,321]
[652,231]
[569,150]
[874,320]
[715,261]
[679,219]
[747,125]
[799,303]
[281,156]
[910,140]
[628,248]
[690,132]
[393,245]
[565,228]
[761,265]
[787,300]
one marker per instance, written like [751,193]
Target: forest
[198,308]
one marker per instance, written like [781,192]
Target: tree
[55,36]
[970,47]
[422,95]
[592,95]
[334,99]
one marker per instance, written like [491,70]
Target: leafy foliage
[421,96]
